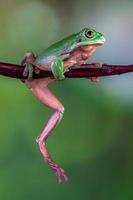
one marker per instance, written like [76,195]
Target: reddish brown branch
[87,70]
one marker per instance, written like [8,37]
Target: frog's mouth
[96,43]
[101,41]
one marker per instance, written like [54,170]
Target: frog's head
[89,36]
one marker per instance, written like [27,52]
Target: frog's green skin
[54,57]
[73,50]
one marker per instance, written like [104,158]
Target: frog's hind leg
[28,61]
[41,91]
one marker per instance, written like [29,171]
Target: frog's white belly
[45,63]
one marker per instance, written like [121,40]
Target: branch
[82,71]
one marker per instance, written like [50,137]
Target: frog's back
[57,49]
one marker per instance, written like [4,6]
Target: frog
[72,51]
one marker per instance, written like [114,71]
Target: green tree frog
[74,50]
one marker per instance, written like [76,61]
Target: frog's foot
[60,173]
[57,68]
[28,62]
[96,79]
[97,65]
[28,71]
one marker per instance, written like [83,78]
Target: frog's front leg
[41,91]
[57,67]
[28,61]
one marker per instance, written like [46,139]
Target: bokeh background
[94,142]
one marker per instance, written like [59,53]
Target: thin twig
[86,70]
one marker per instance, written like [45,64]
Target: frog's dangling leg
[44,95]
[57,68]
[28,61]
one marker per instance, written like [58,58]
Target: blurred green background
[94,142]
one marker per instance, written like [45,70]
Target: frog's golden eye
[89,34]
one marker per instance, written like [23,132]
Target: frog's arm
[39,87]
[57,68]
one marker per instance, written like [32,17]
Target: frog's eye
[89,34]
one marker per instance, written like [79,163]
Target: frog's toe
[60,173]
[28,71]
[98,65]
